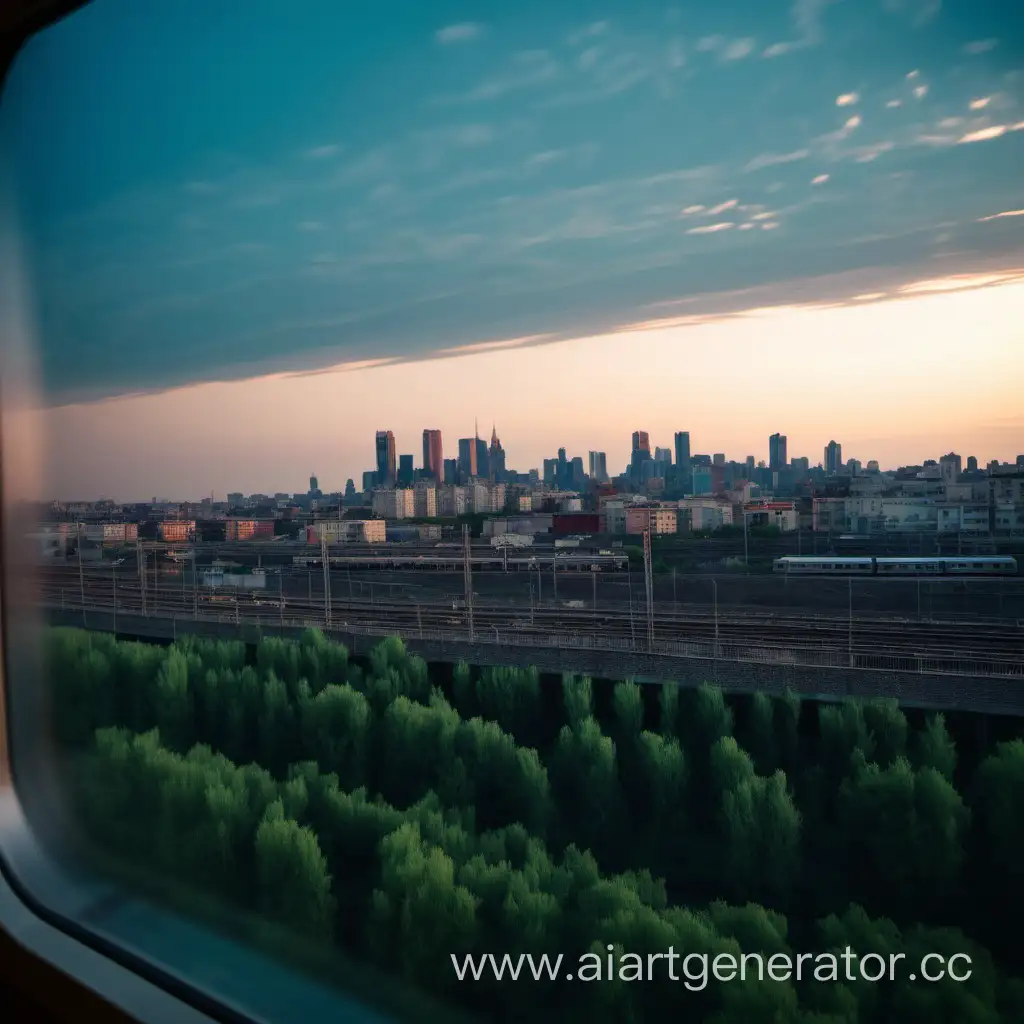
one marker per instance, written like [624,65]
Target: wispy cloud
[321,152]
[806,17]
[981,46]
[594,29]
[708,44]
[773,159]
[984,134]
[311,225]
[461,33]
[729,204]
[738,49]
[1000,216]
[981,103]
[847,99]
[893,104]
[920,91]
[527,69]
[710,229]
[820,179]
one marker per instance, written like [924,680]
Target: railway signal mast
[649,589]
[327,578]
[467,572]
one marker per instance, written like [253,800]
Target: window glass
[408,412]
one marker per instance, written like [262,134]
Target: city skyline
[575,223]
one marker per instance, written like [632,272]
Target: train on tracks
[959,566]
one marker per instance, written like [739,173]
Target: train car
[829,565]
[992,565]
[908,566]
[824,565]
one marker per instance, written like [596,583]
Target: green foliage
[355,805]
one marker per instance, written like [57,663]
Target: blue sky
[209,190]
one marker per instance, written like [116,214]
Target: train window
[279,746]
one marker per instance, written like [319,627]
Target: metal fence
[855,658]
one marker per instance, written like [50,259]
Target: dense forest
[403,812]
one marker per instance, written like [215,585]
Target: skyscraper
[386,458]
[682,443]
[495,458]
[663,455]
[314,485]
[467,457]
[433,455]
[833,458]
[778,457]
[598,467]
[641,442]
[405,471]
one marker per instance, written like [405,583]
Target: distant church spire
[494,435]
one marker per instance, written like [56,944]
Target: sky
[247,242]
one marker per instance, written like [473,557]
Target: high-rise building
[972,464]
[777,454]
[682,445]
[483,461]
[551,472]
[451,471]
[950,467]
[495,458]
[467,457]
[833,458]
[853,467]
[718,459]
[641,441]
[873,465]
[801,464]
[598,466]
[386,458]
[663,455]
[314,485]
[433,455]
[405,471]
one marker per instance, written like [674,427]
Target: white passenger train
[961,565]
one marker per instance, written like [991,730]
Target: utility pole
[140,559]
[81,571]
[850,619]
[746,541]
[593,582]
[327,579]
[467,571]
[649,588]
[714,587]
[195,587]
[554,576]
[113,592]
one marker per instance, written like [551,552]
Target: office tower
[972,464]
[853,467]
[663,455]
[598,466]
[718,459]
[350,489]
[1020,461]
[873,465]
[451,471]
[496,458]
[641,442]
[385,458]
[370,479]
[833,458]
[802,464]
[314,485]
[550,472]
[467,457]
[404,470]
[777,454]
[682,445]
[483,460]
[751,463]
[433,455]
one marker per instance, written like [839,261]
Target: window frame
[49,954]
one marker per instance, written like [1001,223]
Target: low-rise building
[176,531]
[348,531]
[394,503]
[248,529]
[658,519]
